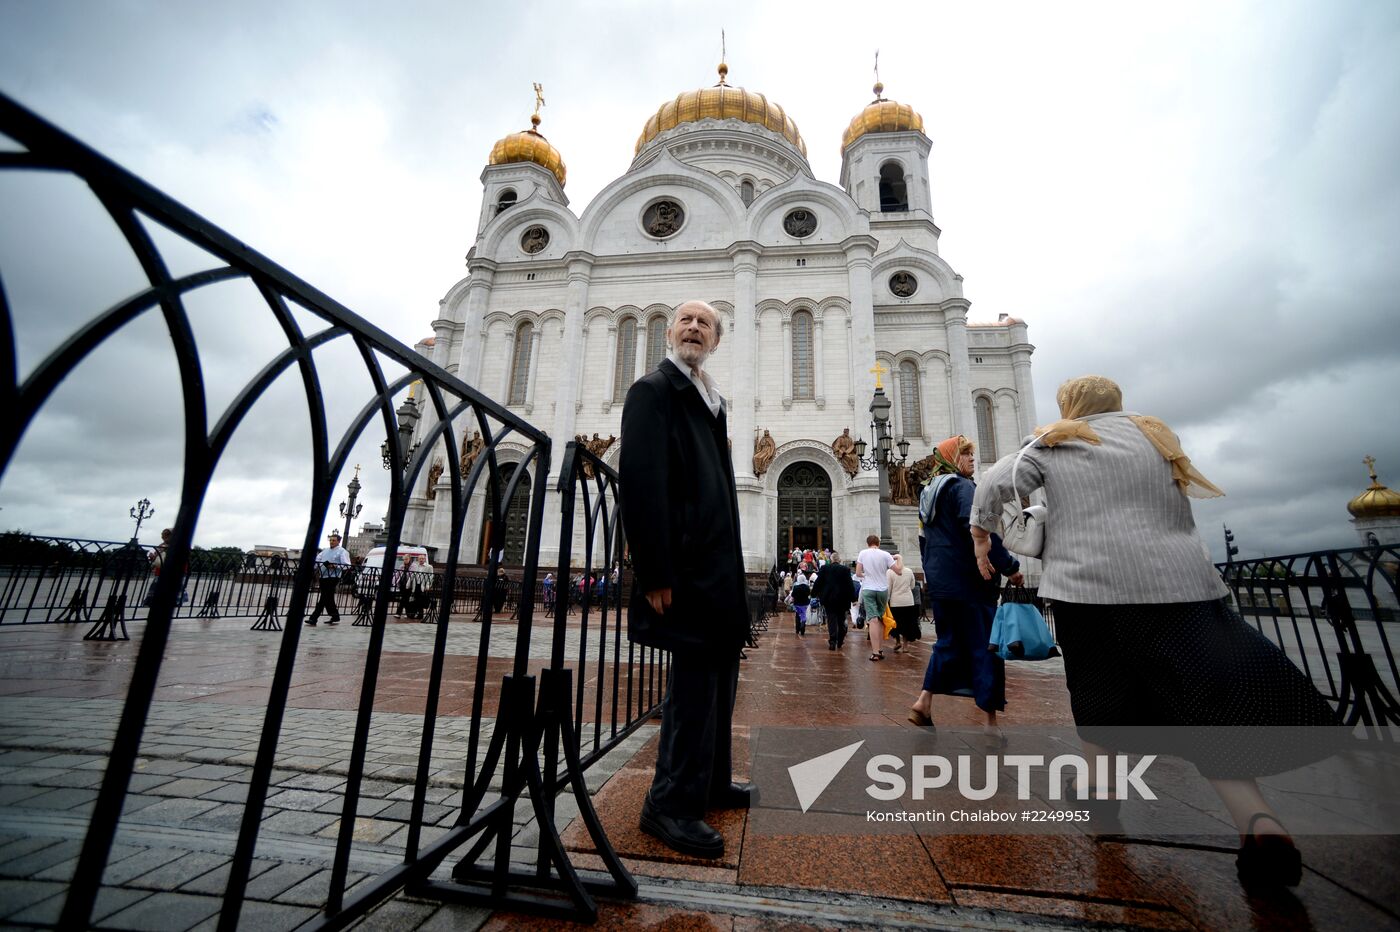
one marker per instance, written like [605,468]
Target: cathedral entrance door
[517,519]
[804,509]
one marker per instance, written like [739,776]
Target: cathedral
[823,288]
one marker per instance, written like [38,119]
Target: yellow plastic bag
[888,619]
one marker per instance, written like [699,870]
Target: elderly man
[681,515]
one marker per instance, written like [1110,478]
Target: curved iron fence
[1336,614]
[118,576]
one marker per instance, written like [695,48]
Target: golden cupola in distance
[882,116]
[529,146]
[722,102]
[1377,501]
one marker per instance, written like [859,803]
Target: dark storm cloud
[1198,200]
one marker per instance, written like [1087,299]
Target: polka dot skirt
[1193,664]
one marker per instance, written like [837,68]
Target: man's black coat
[680,513]
[835,585]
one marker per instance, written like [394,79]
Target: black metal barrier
[623,692]
[1334,613]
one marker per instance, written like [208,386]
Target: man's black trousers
[326,601]
[693,758]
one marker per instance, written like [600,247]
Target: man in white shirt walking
[871,566]
[332,563]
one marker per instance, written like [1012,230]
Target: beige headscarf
[1094,394]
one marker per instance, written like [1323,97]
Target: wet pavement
[60,698]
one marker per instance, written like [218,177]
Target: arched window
[893,196]
[910,418]
[986,430]
[505,201]
[656,341]
[624,372]
[803,382]
[520,364]
[746,192]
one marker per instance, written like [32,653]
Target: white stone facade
[602,274]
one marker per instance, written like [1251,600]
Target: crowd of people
[1148,636]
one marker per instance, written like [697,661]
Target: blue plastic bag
[1020,633]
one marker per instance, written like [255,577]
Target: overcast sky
[1200,200]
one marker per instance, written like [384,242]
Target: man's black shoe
[688,836]
[311,622]
[734,796]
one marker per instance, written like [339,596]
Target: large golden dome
[721,102]
[1377,501]
[882,116]
[529,146]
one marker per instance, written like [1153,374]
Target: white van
[367,579]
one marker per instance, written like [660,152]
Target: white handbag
[1026,534]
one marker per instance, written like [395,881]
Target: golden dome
[529,146]
[882,116]
[1377,501]
[721,102]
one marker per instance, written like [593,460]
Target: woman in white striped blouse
[1140,613]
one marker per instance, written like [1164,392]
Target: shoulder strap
[928,498]
[1015,491]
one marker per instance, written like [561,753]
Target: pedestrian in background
[906,614]
[331,563]
[871,566]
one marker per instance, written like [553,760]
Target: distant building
[371,535]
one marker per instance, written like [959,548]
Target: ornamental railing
[157,234]
[1336,614]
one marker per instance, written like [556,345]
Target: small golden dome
[1377,501]
[529,146]
[882,116]
[721,102]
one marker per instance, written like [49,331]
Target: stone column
[741,343]
[787,362]
[640,357]
[483,272]
[612,367]
[955,324]
[864,497]
[850,363]
[818,361]
[580,267]
[859,252]
[533,373]
[1021,350]
[566,402]
[418,520]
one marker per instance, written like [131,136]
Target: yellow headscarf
[1094,394]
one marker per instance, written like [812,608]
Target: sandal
[920,719]
[1268,860]
[879,655]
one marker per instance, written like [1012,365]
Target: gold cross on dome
[539,97]
[879,370]
[1370,462]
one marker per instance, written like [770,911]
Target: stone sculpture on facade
[845,449]
[597,446]
[663,218]
[434,474]
[902,488]
[800,223]
[764,449]
[472,446]
[902,284]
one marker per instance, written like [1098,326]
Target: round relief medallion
[663,219]
[800,223]
[903,284]
[534,240]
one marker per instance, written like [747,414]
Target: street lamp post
[882,458]
[349,510]
[141,511]
[408,420]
